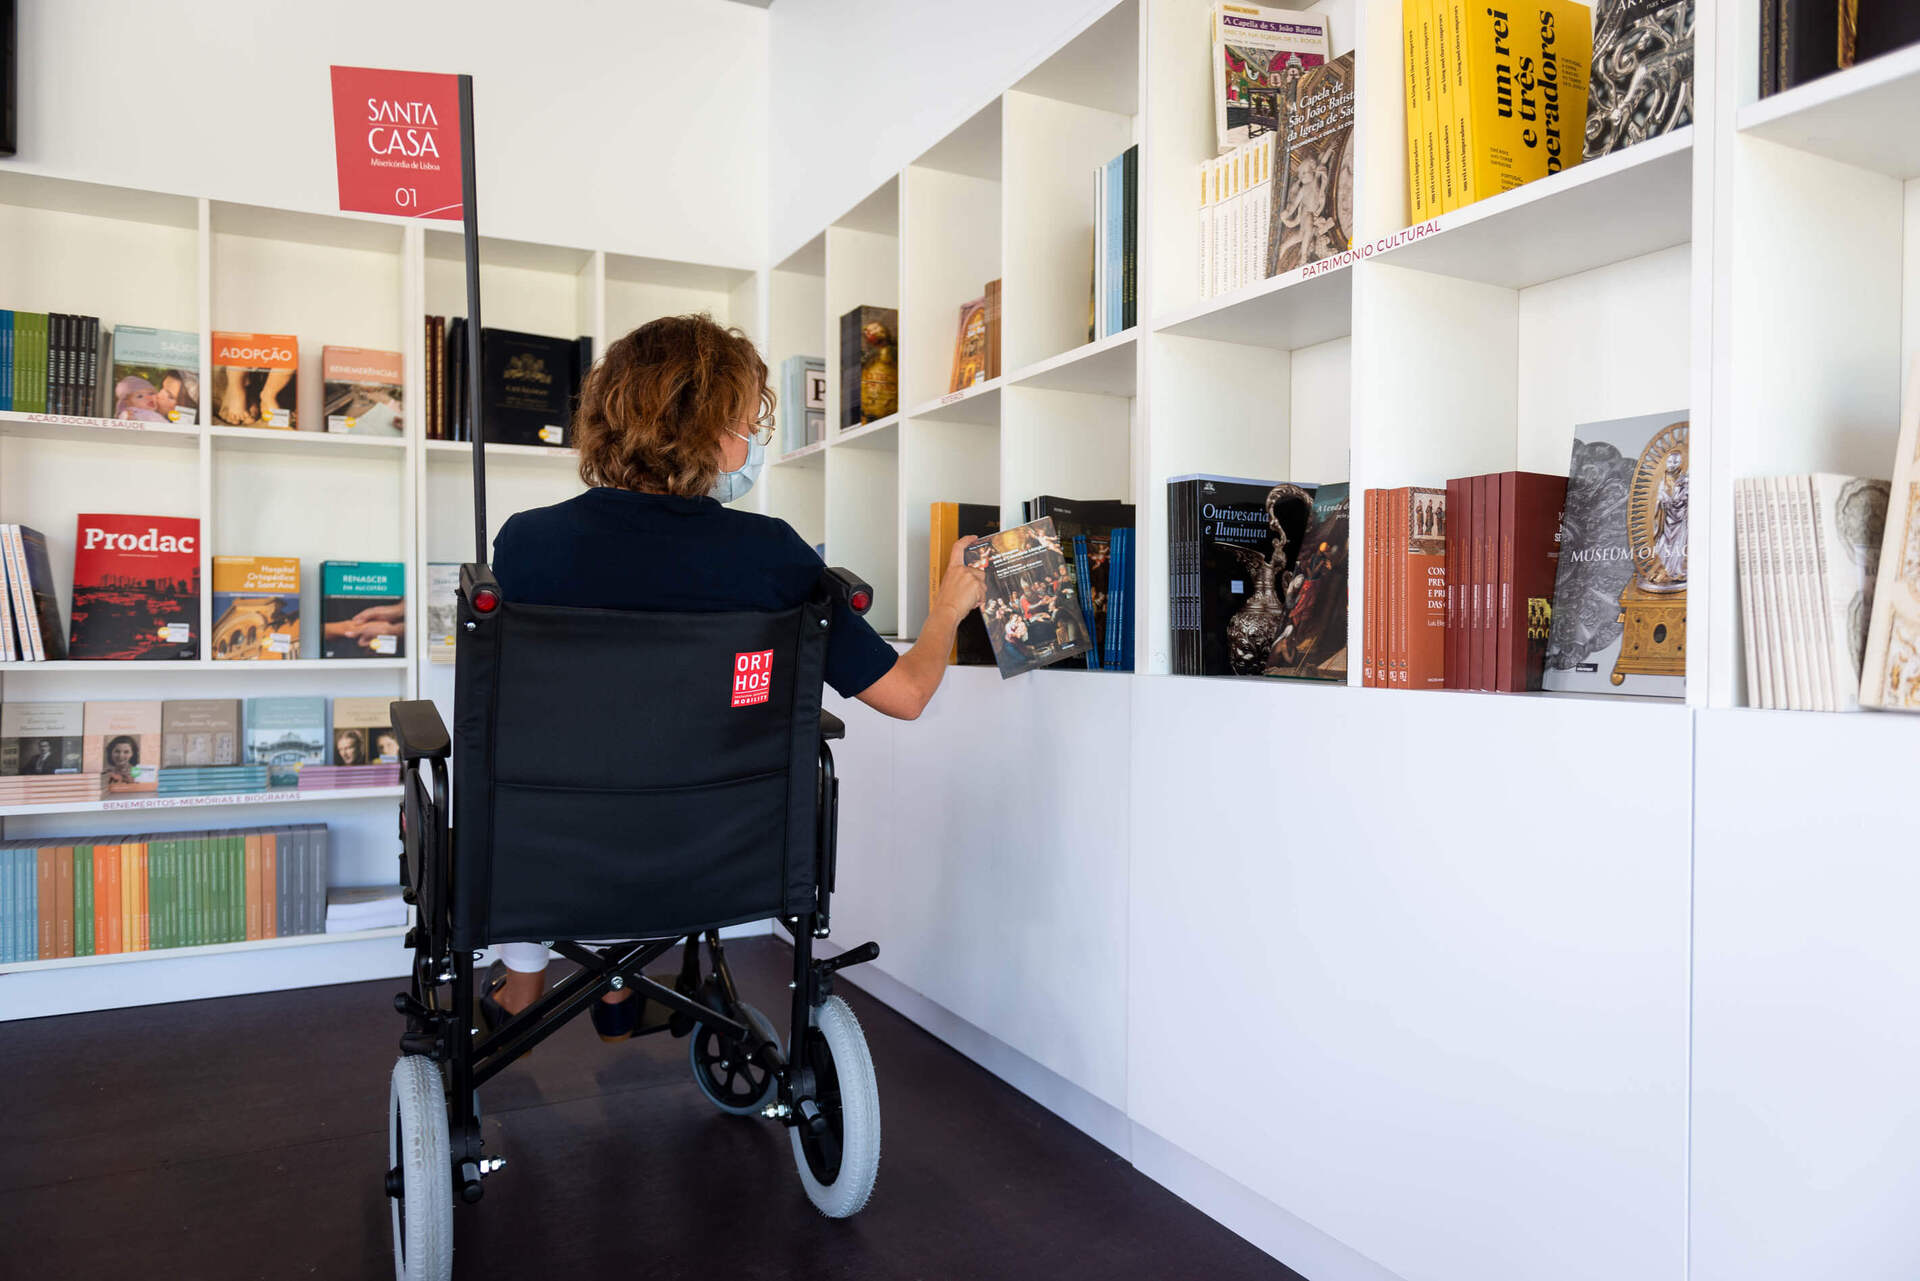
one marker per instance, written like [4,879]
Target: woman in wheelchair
[673,423]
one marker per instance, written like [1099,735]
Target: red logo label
[396,140]
[752,677]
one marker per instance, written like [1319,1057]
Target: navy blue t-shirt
[617,549]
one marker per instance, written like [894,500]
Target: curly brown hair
[653,409]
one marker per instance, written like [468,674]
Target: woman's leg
[526,975]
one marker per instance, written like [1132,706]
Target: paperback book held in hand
[1031,607]
[1620,591]
[136,587]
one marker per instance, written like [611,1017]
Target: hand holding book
[963,585]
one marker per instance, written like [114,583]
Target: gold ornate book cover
[1890,675]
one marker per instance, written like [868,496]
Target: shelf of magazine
[150,801]
[208,949]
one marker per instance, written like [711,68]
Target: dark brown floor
[246,1138]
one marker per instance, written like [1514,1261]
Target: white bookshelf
[1508,1012]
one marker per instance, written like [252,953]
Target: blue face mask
[731,486]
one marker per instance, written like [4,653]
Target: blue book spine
[29,946]
[6,360]
[1083,584]
[9,911]
[1126,613]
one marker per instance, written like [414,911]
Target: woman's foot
[614,1015]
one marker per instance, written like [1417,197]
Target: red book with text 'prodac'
[136,587]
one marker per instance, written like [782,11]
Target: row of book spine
[49,362]
[1236,207]
[1465,141]
[1802,40]
[1460,582]
[30,628]
[90,896]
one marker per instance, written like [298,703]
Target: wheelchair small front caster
[838,1150]
[735,1083]
[419,1172]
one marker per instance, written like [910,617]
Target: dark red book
[1490,575]
[1457,562]
[1531,506]
[136,587]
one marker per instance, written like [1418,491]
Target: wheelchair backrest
[633,775]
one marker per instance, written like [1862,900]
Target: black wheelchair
[645,777]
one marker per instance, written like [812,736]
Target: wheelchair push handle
[850,589]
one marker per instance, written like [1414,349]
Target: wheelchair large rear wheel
[724,1074]
[839,1165]
[419,1172]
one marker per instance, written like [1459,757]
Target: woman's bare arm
[906,689]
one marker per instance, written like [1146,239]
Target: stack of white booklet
[1808,554]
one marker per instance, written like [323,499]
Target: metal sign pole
[470,219]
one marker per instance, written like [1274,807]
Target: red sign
[396,138]
[752,677]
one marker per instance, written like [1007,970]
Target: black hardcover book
[1883,26]
[1095,522]
[971,646]
[56,362]
[1809,40]
[526,387]
[1244,542]
[456,378]
[90,369]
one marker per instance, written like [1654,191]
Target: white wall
[636,126]
[865,88]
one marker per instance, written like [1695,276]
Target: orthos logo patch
[752,677]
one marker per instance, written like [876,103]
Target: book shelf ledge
[979,403]
[209,949]
[805,456]
[1284,312]
[878,434]
[90,666]
[270,440]
[114,431]
[460,450]
[1634,202]
[1109,367]
[277,796]
[1861,116]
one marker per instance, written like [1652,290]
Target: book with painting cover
[869,365]
[363,609]
[970,347]
[361,391]
[1310,205]
[136,587]
[256,380]
[947,523]
[1253,49]
[284,733]
[1031,607]
[1619,620]
[198,733]
[122,744]
[256,608]
[1641,84]
[1311,643]
[156,375]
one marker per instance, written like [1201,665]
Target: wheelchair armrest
[831,727]
[849,589]
[422,734]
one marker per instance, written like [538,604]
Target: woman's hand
[962,587]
